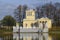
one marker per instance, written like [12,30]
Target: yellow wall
[17,24]
[48,21]
[30,14]
[30,18]
[28,22]
[50,38]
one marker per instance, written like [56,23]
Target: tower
[30,18]
[30,15]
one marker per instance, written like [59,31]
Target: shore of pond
[52,30]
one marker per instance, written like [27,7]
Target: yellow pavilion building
[32,21]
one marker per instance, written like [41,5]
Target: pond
[31,36]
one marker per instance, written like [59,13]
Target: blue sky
[7,6]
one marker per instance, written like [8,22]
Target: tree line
[49,10]
[8,20]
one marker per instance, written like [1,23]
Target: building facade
[32,21]
[33,24]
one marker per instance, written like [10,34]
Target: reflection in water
[31,36]
[6,37]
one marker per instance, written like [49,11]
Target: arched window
[43,24]
[36,24]
[32,25]
[40,21]
[29,14]
[26,25]
[45,21]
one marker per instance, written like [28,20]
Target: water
[6,37]
[31,36]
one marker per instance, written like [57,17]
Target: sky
[7,6]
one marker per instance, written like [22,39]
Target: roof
[44,18]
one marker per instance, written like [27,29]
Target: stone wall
[16,29]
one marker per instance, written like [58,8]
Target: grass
[54,29]
[5,31]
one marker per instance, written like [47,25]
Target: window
[32,25]
[29,14]
[40,21]
[45,21]
[26,25]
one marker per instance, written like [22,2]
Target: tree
[8,21]
[19,13]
